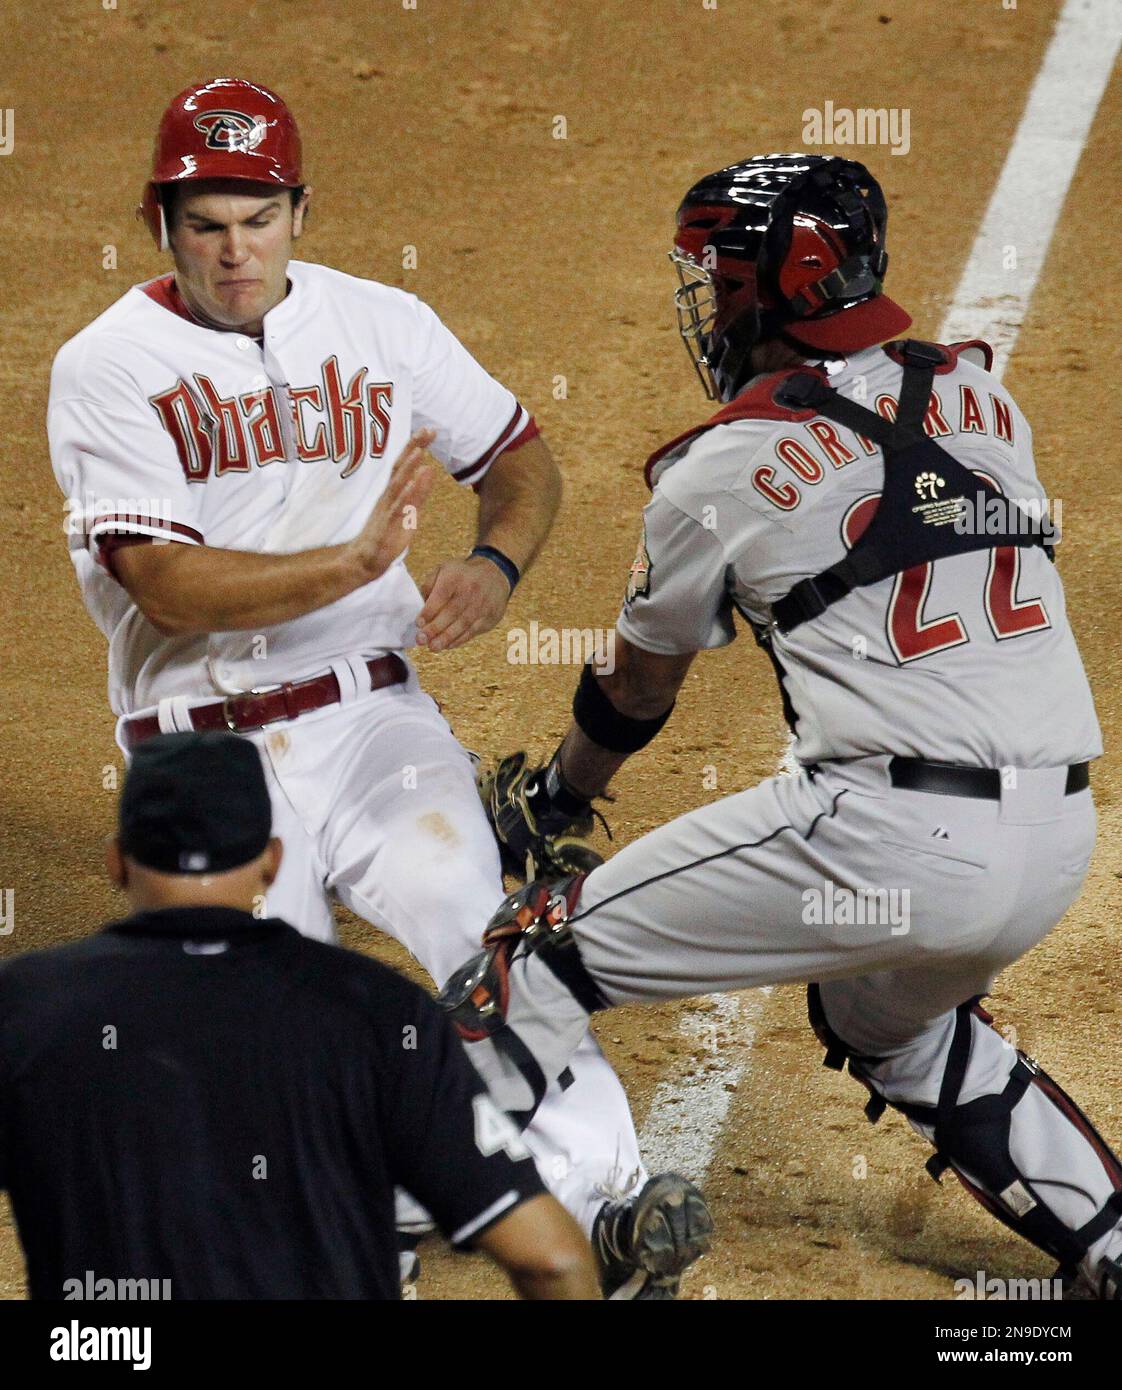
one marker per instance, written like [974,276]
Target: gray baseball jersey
[942,661]
[900,903]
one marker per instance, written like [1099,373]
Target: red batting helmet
[226,128]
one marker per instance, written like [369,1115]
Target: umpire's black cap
[194,804]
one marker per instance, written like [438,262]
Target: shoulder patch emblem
[639,575]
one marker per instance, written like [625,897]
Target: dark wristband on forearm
[510,570]
[600,721]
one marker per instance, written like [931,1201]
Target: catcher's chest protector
[924,491]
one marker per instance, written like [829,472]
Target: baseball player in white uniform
[224,437]
[872,512]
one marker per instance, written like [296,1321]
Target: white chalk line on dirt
[687,1114]
[992,297]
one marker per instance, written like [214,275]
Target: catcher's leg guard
[1027,1153]
[532,921]
[475,998]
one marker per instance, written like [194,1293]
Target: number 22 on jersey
[911,634]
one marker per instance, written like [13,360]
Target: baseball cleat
[644,1244]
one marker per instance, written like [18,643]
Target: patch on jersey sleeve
[639,575]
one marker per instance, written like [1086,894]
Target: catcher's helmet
[781,245]
[226,128]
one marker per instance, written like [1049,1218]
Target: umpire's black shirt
[199,1096]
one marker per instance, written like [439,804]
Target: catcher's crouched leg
[523,1002]
[1026,1152]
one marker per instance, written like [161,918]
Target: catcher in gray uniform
[871,510]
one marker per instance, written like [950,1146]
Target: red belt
[241,714]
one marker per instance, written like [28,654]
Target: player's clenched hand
[462,599]
[391,524]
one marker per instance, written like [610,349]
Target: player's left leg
[920,1041]
[1017,1141]
[714,900]
[298,895]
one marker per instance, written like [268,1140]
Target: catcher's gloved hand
[537,838]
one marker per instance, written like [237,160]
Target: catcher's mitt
[536,840]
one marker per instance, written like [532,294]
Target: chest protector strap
[914,519]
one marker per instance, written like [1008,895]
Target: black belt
[948,779]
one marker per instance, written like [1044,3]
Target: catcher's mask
[781,246]
[226,128]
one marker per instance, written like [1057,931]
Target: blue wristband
[504,562]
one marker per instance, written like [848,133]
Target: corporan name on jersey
[216,434]
[807,465]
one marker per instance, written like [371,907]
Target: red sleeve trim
[524,436]
[467,474]
[110,537]
[129,524]
[530,431]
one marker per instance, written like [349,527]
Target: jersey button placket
[279,378]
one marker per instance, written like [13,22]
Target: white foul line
[686,1116]
[991,298]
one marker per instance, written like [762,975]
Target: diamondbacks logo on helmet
[254,141]
[231,130]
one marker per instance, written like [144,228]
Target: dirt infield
[435,128]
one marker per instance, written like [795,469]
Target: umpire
[205,1097]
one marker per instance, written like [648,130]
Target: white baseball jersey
[969,659]
[160,426]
